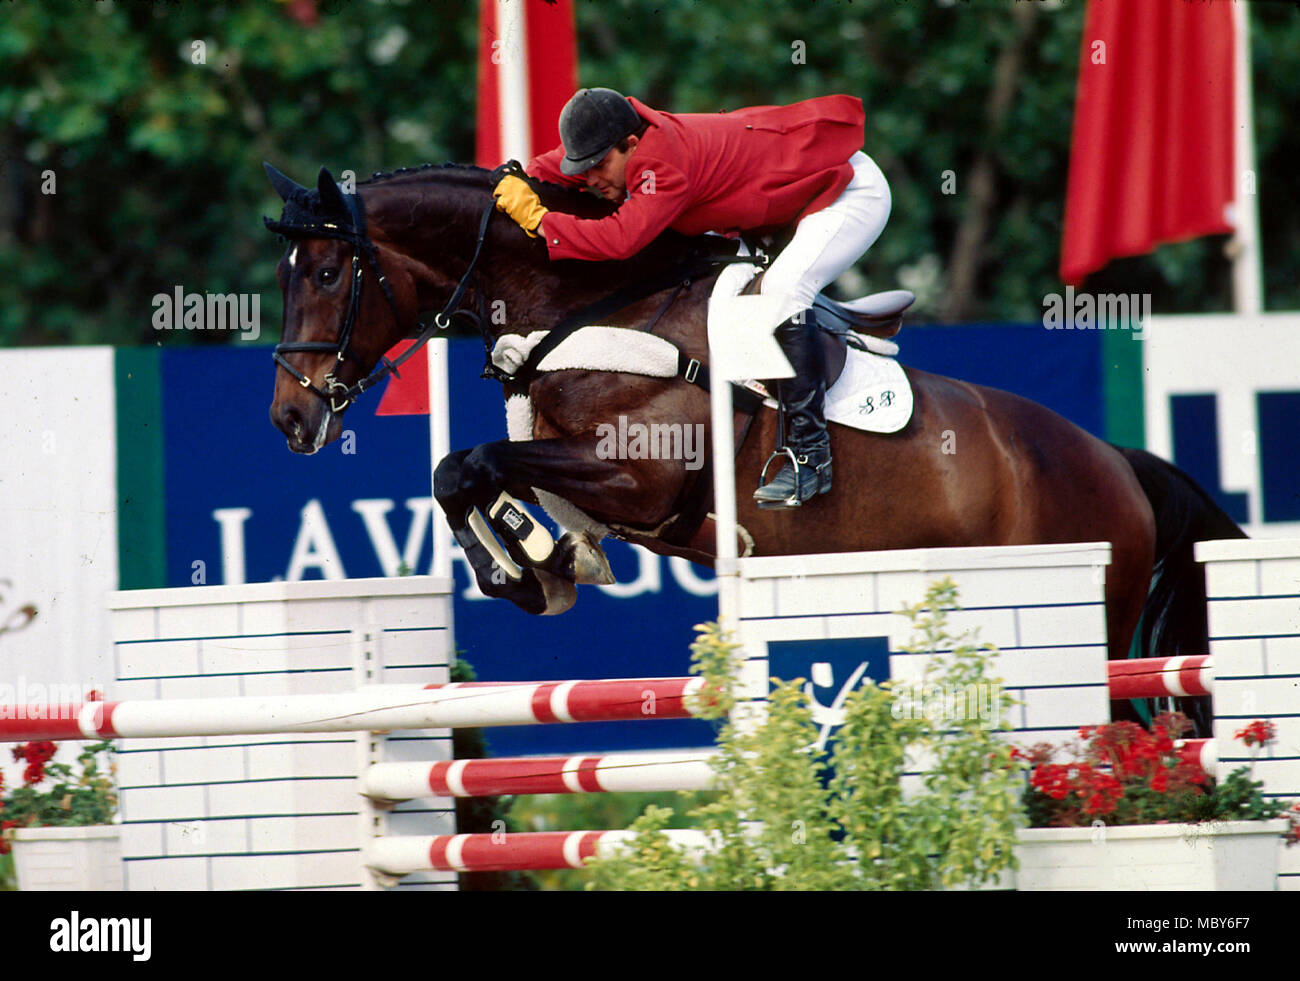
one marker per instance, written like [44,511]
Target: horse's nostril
[290,421]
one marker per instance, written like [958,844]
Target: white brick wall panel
[160,658]
[758,597]
[1232,579]
[135,768]
[405,611]
[866,625]
[286,797]
[283,834]
[205,837]
[1068,708]
[141,839]
[1256,697]
[1254,617]
[133,624]
[166,875]
[324,614]
[198,620]
[1281,655]
[1238,657]
[824,594]
[333,868]
[1050,625]
[1280,577]
[163,804]
[417,648]
[273,762]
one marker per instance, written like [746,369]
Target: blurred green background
[157,158]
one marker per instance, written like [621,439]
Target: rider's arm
[658,194]
[546,166]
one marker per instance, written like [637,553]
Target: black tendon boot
[807,451]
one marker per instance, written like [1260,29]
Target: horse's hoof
[584,561]
[560,593]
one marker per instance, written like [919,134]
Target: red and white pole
[1161,677]
[379,708]
[610,773]
[398,856]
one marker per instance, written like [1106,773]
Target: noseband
[337,394]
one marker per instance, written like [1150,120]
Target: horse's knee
[481,471]
[447,476]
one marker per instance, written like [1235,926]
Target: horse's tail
[1174,616]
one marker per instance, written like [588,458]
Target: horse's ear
[331,198]
[283,185]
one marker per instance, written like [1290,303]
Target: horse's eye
[327,276]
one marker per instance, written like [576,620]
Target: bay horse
[974,466]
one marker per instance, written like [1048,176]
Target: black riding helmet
[591,124]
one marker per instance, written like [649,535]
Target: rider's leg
[824,245]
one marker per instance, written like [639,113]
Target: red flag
[1151,156]
[551,77]
[408,395]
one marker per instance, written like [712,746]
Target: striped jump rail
[1202,752]
[378,708]
[609,773]
[524,851]
[1161,677]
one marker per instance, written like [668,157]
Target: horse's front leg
[469,485]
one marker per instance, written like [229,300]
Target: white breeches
[828,241]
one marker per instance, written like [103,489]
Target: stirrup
[793,500]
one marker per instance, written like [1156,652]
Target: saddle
[877,314]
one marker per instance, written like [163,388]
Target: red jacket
[754,169]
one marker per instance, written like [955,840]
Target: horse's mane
[556,197]
[669,247]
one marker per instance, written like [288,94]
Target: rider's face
[608,178]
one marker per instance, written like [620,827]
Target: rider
[753,170]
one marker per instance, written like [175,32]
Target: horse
[974,466]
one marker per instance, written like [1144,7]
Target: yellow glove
[520,202]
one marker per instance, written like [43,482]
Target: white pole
[439,447]
[1247,272]
[724,500]
[512,90]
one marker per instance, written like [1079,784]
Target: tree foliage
[157,158]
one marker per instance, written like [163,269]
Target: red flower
[4,842]
[39,751]
[1258,733]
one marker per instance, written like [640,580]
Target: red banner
[1151,157]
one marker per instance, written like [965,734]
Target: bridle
[337,394]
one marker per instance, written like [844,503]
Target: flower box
[68,859]
[1215,855]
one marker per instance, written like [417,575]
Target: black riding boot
[807,469]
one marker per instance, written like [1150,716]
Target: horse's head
[341,313]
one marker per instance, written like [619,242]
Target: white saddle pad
[871,394]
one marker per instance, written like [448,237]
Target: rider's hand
[520,202]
